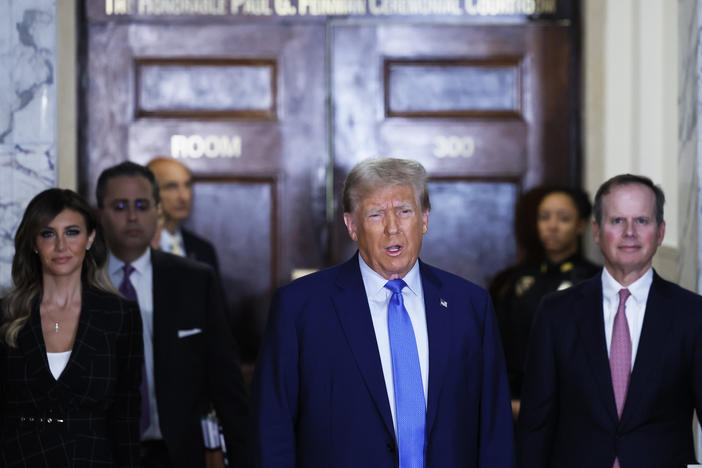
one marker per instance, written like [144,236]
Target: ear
[425,221]
[661,233]
[351,226]
[596,232]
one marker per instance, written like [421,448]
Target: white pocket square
[192,331]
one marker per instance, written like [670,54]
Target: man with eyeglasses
[190,357]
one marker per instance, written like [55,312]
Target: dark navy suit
[319,394]
[568,414]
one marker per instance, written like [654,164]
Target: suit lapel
[590,318]
[438,332]
[351,304]
[648,361]
[82,349]
[161,327]
[31,342]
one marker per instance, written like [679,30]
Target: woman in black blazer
[71,347]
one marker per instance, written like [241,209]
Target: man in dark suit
[382,361]
[175,184]
[614,369]
[190,358]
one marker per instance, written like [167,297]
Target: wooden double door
[271,116]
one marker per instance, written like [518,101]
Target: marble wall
[689,153]
[690,148]
[27,113]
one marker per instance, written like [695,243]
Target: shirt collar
[167,238]
[638,289]
[375,283]
[115,264]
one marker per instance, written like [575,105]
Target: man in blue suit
[382,361]
[614,368]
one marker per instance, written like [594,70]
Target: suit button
[391,447]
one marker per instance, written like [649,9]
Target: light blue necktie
[407,377]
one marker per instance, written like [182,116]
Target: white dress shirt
[378,300]
[142,280]
[635,307]
[167,240]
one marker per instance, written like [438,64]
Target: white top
[142,280]
[57,362]
[378,301]
[635,307]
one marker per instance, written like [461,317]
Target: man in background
[175,185]
[614,368]
[190,359]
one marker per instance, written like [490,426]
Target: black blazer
[568,414]
[89,417]
[197,248]
[195,362]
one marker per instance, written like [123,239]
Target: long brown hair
[27,285]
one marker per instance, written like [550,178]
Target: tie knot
[128,270]
[624,295]
[175,246]
[395,285]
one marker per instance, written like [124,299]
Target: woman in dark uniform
[71,348]
[562,217]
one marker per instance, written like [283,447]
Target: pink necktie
[620,356]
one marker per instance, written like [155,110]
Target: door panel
[471,220]
[483,108]
[233,103]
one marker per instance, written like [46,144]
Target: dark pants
[154,454]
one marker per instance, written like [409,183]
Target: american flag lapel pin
[443,303]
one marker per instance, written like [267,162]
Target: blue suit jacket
[568,415]
[319,394]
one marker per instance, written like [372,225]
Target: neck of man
[171,225]
[128,255]
[625,277]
